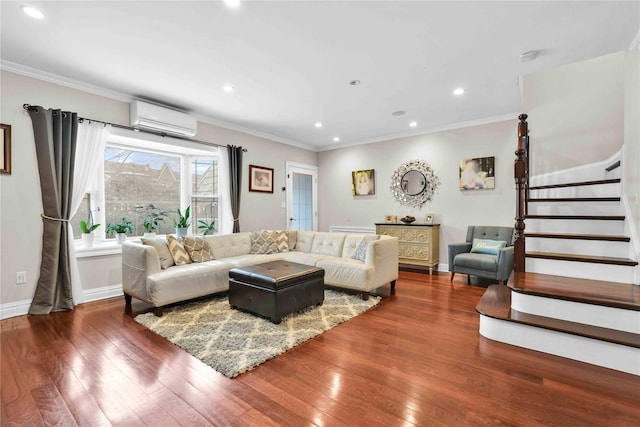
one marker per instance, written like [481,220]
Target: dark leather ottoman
[275,289]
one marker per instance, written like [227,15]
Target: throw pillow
[361,251]
[282,239]
[162,247]
[486,246]
[264,242]
[178,252]
[198,248]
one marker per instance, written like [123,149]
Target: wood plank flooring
[416,359]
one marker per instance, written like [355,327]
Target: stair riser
[583,270]
[579,247]
[575,208]
[602,190]
[574,226]
[588,314]
[596,352]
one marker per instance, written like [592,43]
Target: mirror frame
[432,182]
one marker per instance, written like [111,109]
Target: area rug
[233,342]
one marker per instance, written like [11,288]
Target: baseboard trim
[102,293]
[13,309]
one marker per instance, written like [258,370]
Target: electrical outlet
[21,277]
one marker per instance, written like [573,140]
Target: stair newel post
[521,173]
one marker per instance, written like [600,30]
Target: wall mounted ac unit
[162,119]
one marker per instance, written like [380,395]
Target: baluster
[521,174]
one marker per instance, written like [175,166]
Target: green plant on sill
[183,220]
[86,228]
[207,227]
[152,216]
[124,226]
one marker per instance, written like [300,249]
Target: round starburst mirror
[414,183]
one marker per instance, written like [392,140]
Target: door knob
[292,219]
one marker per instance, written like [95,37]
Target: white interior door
[302,197]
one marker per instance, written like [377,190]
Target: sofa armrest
[138,262]
[456,249]
[505,263]
[382,254]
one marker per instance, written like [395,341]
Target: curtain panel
[235,183]
[55,133]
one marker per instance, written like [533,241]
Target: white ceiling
[291,61]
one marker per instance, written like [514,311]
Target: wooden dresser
[419,244]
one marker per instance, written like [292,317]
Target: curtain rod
[29,107]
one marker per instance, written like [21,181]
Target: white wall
[576,113]
[20,223]
[631,167]
[454,209]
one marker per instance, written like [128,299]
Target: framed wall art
[477,174]
[5,152]
[363,183]
[260,179]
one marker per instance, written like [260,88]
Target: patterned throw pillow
[486,246]
[282,239]
[198,249]
[361,251]
[264,242]
[162,247]
[178,252]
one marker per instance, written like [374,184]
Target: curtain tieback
[236,219]
[50,218]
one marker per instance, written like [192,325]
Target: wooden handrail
[521,174]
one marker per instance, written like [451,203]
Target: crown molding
[635,43]
[435,129]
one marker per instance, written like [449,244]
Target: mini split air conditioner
[162,119]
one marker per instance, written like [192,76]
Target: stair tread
[607,237]
[576,184]
[580,217]
[597,292]
[496,303]
[582,258]
[574,199]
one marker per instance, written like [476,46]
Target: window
[137,172]
[81,215]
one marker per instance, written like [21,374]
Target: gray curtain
[55,134]
[235,182]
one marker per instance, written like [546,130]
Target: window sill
[107,247]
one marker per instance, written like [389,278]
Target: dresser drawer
[407,234]
[416,252]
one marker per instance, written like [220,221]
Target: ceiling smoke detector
[528,56]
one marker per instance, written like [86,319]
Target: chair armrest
[505,263]
[456,249]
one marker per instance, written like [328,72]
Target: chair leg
[468,279]
[452,274]
[501,282]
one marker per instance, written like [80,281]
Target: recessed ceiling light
[458,91]
[413,124]
[398,113]
[336,139]
[318,124]
[32,12]
[227,88]
[232,3]
[529,56]
[354,82]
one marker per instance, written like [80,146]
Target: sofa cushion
[303,257]
[178,252]
[304,241]
[361,251]
[476,261]
[486,246]
[264,242]
[229,245]
[328,244]
[198,248]
[346,272]
[162,248]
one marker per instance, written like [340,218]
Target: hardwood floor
[416,359]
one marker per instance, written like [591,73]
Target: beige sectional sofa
[144,278]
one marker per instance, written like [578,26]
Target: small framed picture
[388,219]
[363,183]
[5,152]
[260,179]
[428,219]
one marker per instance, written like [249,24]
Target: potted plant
[152,216]
[183,222]
[120,229]
[207,227]
[88,227]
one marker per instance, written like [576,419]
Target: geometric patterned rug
[233,342]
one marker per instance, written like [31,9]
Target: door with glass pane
[302,197]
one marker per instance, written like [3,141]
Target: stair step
[582,258]
[609,238]
[576,199]
[577,184]
[598,292]
[580,217]
[496,303]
